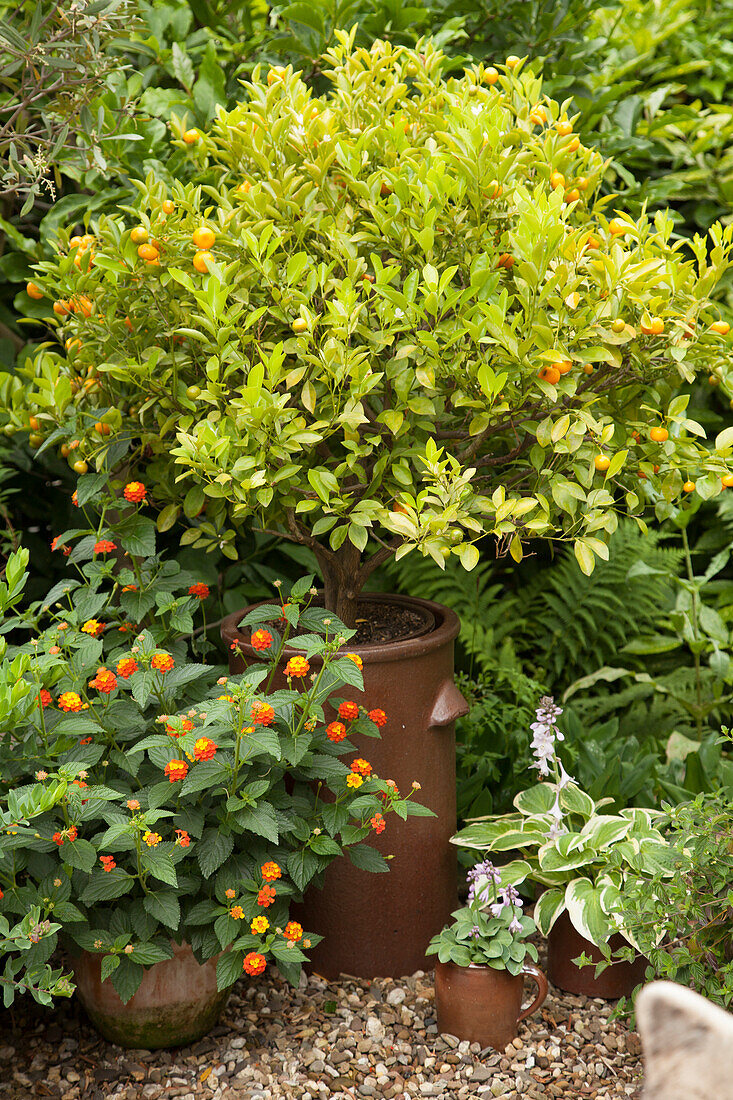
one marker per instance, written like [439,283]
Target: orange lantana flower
[176,770]
[361,767]
[262,713]
[134,492]
[105,681]
[297,666]
[271,871]
[69,700]
[126,667]
[254,963]
[335,731]
[293,931]
[266,896]
[162,662]
[204,748]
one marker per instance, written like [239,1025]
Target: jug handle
[536,974]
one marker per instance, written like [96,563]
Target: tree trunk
[342,582]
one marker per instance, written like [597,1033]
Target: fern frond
[579,623]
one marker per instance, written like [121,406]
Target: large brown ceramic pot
[380,924]
[565,943]
[177,1001]
[484,1005]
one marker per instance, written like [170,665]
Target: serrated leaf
[79,854]
[211,851]
[105,885]
[126,978]
[367,858]
[229,968]
[163,905]
[260,820]
[109,965]
[160,865]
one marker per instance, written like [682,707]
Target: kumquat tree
[398,315]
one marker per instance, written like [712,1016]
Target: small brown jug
[483,1005]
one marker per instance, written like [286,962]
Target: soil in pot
[483,1005]
[380,924]
[177,1001]
[565,943]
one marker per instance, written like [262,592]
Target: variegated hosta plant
[582,855]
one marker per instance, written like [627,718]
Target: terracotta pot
[380,924]
[565,943]
[484,1005]
[177,1001]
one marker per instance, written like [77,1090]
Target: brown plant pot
[483,1005]
[177,1001]
[380,924]
[565,943]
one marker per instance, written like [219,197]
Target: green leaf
[210,88]
[109,965]
[211,851]
[105,885]
[205,776]
[88,486]
[302,866]
[548,907]
[182,67]
[585,556]
[163,905]
[159,863]
[137,535]
[168,516]
[149,953]
[126,978]
[367,858]
[228,968]
[583,903]
[576,801]
[80,854]
[325,846]
[535,800]
[260,820]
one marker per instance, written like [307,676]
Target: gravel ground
[346,1039]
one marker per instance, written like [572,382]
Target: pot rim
[477,966]
[445,631]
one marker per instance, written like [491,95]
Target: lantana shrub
[147,797]
[395,316]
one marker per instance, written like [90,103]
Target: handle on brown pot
[448,706]
[535,973]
